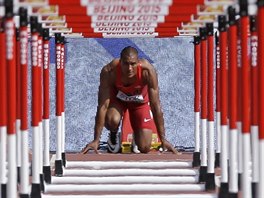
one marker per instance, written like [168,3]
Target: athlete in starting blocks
[129,84]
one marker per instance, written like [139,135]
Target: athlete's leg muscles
[142,122]
[112,121]
[143,139]
[113,117]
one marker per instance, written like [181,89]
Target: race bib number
[135,98]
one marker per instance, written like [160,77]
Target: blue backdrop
[173,60]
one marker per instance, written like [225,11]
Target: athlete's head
[129,61]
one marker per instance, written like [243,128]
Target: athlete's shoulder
[147,67]
[145,64]
[108,72]
[110,67]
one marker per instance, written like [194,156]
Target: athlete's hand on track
[91,146]
[167,145]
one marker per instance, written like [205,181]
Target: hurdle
[18,102]
[197,69]
[239,104]
[63,56]
[232,98]
[24,171]
[254,105]
[260,30]
[3,110]
[11,99]
[231,85]
[224,102]
[36,188]
[244,29]
[203,167]
[40,93]
[46,102]
[210,181]
[217,101]
[58,162]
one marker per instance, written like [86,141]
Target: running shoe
[114,142]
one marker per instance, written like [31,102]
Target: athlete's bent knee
[144,149]
[112,122]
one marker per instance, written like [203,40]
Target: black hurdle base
[254,189]
[203,174]
[47,174]
[217,160]
[35,191]
[24,196]
[3,190]
[58,168]
[196,159]
[233,195]
[223,191]
[18,174]
[210,181]
[239,177]
[63,157]
[42,187]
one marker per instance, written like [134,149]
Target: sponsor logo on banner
[203,18]
[239,64]
[218,65]
[62,58]
[211,9]
[33,2]
[192,24]
[49,19]
[254,51]
[46,56]
[187,29]
[34,50]
[124,29]
[61,30]
[123,24]
[23,47]
[187,34]
[10,32]
[129,34]
[58,57]
[220,2]
[55,24]
[44,11]
[128,10]
[40,54]
[126,2]
[128,18]
[72,35]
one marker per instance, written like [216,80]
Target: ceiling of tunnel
[124,18]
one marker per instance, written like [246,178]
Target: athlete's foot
[114,142]
[134,146]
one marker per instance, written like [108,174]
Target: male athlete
[129,83]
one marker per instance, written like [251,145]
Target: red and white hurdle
[24,170]
[232,81]
[3,110]
[260,30]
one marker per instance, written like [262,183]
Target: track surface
[128,175]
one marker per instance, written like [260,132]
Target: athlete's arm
[103,102]
[153,91]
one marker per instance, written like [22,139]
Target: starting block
[127,135]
